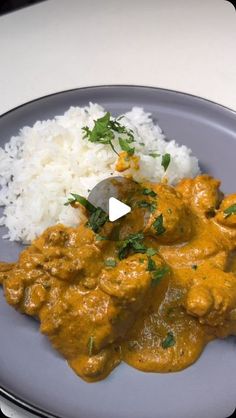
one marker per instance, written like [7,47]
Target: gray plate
[30,370]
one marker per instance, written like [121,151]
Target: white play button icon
[117,209]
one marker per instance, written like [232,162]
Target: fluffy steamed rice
[41,166]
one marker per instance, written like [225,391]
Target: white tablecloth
[186,45]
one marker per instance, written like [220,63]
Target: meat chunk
[171,221]
[63,281]
[202,193]
[212,296]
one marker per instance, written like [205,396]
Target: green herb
[142,143]
[231,210]
[133,345]
[194,266]
[125,146]
[101,238]
[103,133]
[76,198]
[134,243]
[158,225]
[90,345]
[97,219]
[153,207]
[46,285]
[151,264]
[158,274]
[150,251]
[110,262]
[169,341]
[169,210]
[141,260]
[149,192]
[165,161]
[170,311]
[145,204]
[154,155]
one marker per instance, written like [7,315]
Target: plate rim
[9,396]
[141,86]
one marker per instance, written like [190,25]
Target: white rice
[41,166]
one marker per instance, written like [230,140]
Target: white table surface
[185,45]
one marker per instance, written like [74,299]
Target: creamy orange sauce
[154,303]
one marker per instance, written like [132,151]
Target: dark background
[7,6]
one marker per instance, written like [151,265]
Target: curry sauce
[151,289]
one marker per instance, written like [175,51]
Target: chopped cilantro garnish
[76,198]
[97,219]
[150,251]
[104,130]
[165,161]
[231,210]
[151,264]
[169,341]
[145,204]
[149,192]
[158,274]
[110,262]
[125,146]
[97,216]
[158,225]
[154,154]
[134,242]
[194,266]
[90,345]
[100,238]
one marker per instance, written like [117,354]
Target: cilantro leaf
[151,264]
[154,154]
[110,262]
[103,133]
[121,129]
[158,225]
[97,219]
[194,266]
[145,204]
[231,210]
[76,198]
[124,144]
[90,345]
[158,274]
[165,161]
[134,243]
[149,192]
[169,341]
[150,251]
[101,238]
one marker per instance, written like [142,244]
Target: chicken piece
[212,296]
[83,305]
[170,222]
[201,193]
[226,215]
